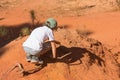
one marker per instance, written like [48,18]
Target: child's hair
[47,24]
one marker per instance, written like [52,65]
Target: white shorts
[29,51]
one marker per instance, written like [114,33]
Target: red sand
[104,27]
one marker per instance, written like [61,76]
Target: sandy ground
[103,27]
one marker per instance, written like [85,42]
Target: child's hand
[54,57]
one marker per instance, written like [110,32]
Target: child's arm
[53,44]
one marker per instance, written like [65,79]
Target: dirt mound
[79,58]
[89,57]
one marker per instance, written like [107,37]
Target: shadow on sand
[13,32]
[67,56]
[71,55]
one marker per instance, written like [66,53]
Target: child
[36,44]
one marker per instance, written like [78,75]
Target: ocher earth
[88,32]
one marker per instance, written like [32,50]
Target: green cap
[51,22]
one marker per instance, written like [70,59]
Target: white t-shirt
[38,36]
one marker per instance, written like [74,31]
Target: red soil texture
[88,32]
